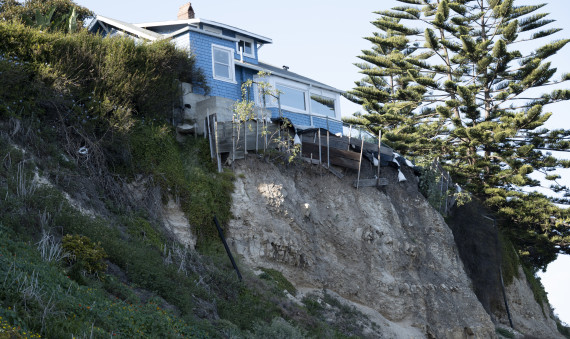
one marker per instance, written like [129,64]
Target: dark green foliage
[84,254]
[278,329]
[460,91]
[505,333]
[142,229]
[564,330]
[31,11]
[280,280]
[113,79]
[510,261]
[346,321]
[536,287]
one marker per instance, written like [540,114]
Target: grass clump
[505,333]
[282,283]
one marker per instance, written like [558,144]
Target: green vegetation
[349,322]
[454,80]
[510,260]
[282,283]
[505,333]
[84,255]
[87,159]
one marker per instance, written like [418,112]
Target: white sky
[320,40]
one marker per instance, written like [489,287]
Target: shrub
[280,280]
[279,328]
[84,254]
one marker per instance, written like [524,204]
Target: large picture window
[322,105]
[291,97]
[222,63]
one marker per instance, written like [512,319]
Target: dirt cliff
[385,249]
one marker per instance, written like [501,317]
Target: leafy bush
[84,254]
[280,280]
[112,78]
[279,328]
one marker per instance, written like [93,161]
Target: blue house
[229,56]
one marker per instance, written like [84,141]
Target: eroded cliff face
[386,249]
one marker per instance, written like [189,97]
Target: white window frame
[231,65]
[303,89]
[241,38]
[327,95]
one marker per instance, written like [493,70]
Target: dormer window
[246,45]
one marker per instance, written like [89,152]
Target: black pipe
[221,233]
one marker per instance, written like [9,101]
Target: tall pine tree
[457,80]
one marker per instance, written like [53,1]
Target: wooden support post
[320,155]
[210,139]
[379,147]
[349,136]
[195,130]
[328,151]
[257,134]
[360,163]
[206,128]
[244,138]
[218,158]
[328,144]
[233,142]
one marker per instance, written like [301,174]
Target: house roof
[280,72]
[196,21]
[130,28]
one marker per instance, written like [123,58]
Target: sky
[321,40]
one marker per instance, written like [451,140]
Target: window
[322,105]
[211,29]
[246,45]
[291,97]
[223,63]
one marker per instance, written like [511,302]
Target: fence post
[218,158]
[349,136]
[379,147]
[233,142]
[360,163]
[328,145]
[320,156]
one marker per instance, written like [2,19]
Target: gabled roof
[195,22]
[280,72]
[130,28]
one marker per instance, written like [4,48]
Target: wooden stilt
[244,138]
[360,163]
[379,147]
[233,143]
[320,155]
[349,136]
[212,155]
[218,158]
[328,144]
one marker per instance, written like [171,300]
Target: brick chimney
[186,12]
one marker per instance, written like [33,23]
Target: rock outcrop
[387,249]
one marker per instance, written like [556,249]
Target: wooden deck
[317,146]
